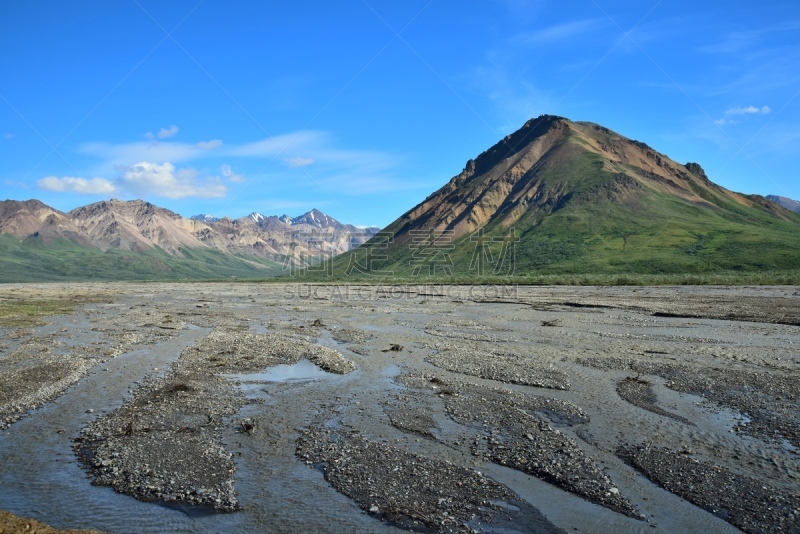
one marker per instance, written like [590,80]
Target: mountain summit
[561,196]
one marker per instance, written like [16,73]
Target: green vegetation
[26,311]
[32,261]
[603,228]
[788,278]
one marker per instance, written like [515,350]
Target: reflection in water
[300,371]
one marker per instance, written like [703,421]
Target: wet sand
[287,408]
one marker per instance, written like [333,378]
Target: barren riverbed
[262,407]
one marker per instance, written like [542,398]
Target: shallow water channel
[40,476]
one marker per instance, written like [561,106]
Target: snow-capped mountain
[203,217]
[317,219]
[257,217]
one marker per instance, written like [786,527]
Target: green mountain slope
[562,197]
[31,260]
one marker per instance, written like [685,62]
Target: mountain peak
[22,218]
[578,194]
[204,217]
[511,144]
[317,219]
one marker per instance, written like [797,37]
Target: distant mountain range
[559,196]
[313,218]
[117,239]
[786,202]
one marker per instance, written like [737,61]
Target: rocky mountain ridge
[786,202]
[139,226]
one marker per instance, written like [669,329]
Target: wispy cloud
[209,145]
[371,184]
[228,173]
[343,170]
[163,133]
[744,110]
[755,61]
[125,154]
[748,44]
[285,144]
[749,110]
[298,161]
[82,186]
[559,32]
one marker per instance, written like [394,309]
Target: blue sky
[363,108]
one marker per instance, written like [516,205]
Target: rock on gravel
[237,352]
[406,416]
[640,393]
[412,491]
[512,429]
[349,335]
[770,399]
[165,444]
[742,501]
[32,375]
[492,364]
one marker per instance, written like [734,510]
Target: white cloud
[298,162]
[209,145]
[163,180]
[228,173]
[69,184]
[746,110]
[163,133]
[749,110]
[9,136]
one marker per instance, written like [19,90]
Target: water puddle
[259,328]
[301,371]
[728,419]
[704,413]
[391,371]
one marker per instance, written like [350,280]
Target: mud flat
[253,407]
